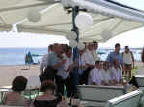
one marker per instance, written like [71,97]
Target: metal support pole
[75,12]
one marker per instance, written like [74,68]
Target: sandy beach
[8,73]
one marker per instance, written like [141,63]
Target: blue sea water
[15,56]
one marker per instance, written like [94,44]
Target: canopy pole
[75,12]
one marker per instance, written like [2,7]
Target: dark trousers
[84,76]
[60,82]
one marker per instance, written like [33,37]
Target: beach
[8,73]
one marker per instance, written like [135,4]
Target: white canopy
[110,18]
[12,11]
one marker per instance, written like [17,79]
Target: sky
[27,40]
[134,38]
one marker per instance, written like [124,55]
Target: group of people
[67,72]
[61,73]
[47,99]
[103,74]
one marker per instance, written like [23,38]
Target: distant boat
[101,52]
[36,55]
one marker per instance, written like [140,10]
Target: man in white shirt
[64,76]
[95,76]
[44,60]
[89,61]
[128,61]
[82,68]
[94,51]
[106,73]
[88,56]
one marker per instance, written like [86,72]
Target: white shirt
[116,74]
[95,77]
[88,57]
[94,53]
[127,58]
[106,75]
[81,63]
[69,61]
[63,73]
[43,62]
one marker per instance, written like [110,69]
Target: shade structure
[110,18]
[13,11]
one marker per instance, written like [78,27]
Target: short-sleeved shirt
[81,63]
[112,56]
[106,75]
[63,73]
[88,58]
[53,59]
[116,74]
[95,77]
[95,55]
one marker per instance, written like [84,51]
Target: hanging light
[83,20]
[73,35]
[73,43]
[34,15]
[80,46]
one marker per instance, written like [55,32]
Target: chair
[97,96]
[140,80]
[3,91]
[131,99]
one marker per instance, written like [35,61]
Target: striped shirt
[15,99]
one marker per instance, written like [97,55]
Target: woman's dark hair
[19,83]
[47,85]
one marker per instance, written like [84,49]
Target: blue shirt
[52,59]
[112,56]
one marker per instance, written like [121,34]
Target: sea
[16,56]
